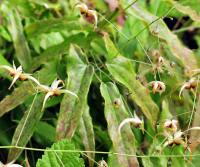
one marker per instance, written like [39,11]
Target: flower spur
[17,73]
[54,90]
[190,85]
[136,121]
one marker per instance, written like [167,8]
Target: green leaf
[16,30]
[159,29]
[178,161]
[79,79]
[110,47]
[56,51]
[123,143]
[26,127]
[87,134]
[4,33]
[122,70]
[3,61]
[186,9]
[194,134]
[54,158]
[53,25]
[45,133]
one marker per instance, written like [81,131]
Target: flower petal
[16,77]
[19,69]
[182,88]
[94,14]
[55,84]
[67,91]
[32,79]
[14,67]
[10,69]
[46,98]
[13,165]
[135,121]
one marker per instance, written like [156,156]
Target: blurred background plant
[122,59]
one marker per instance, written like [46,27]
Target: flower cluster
[173,135]
[53,90]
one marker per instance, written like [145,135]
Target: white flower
[171,125]
[191,84]
[102,163]
[90,15]
[174,139]
[157,86]
[54,90]
[11,164]
[17,73]
[136,121]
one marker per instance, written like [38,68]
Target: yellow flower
[53,90]
[17,73]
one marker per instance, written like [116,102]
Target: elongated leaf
[3,61]
[18,96]
[119,68]
[16,30]
[45,132]
[79,80]
[52,25]
[46,75]
[186,10]
[195,135]
[110,47]
[26,127]
[159,29]
[122,143]
[87,134]
[54,158]
[56,51]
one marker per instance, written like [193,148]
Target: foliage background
[109,68]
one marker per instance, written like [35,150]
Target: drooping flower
[135,121]
[89,15]
[175,139]
[54,90]
[157,86]
[17,73]
[190,85]
[102,163]
[171,126]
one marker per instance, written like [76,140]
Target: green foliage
[118,84]
[53,157]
